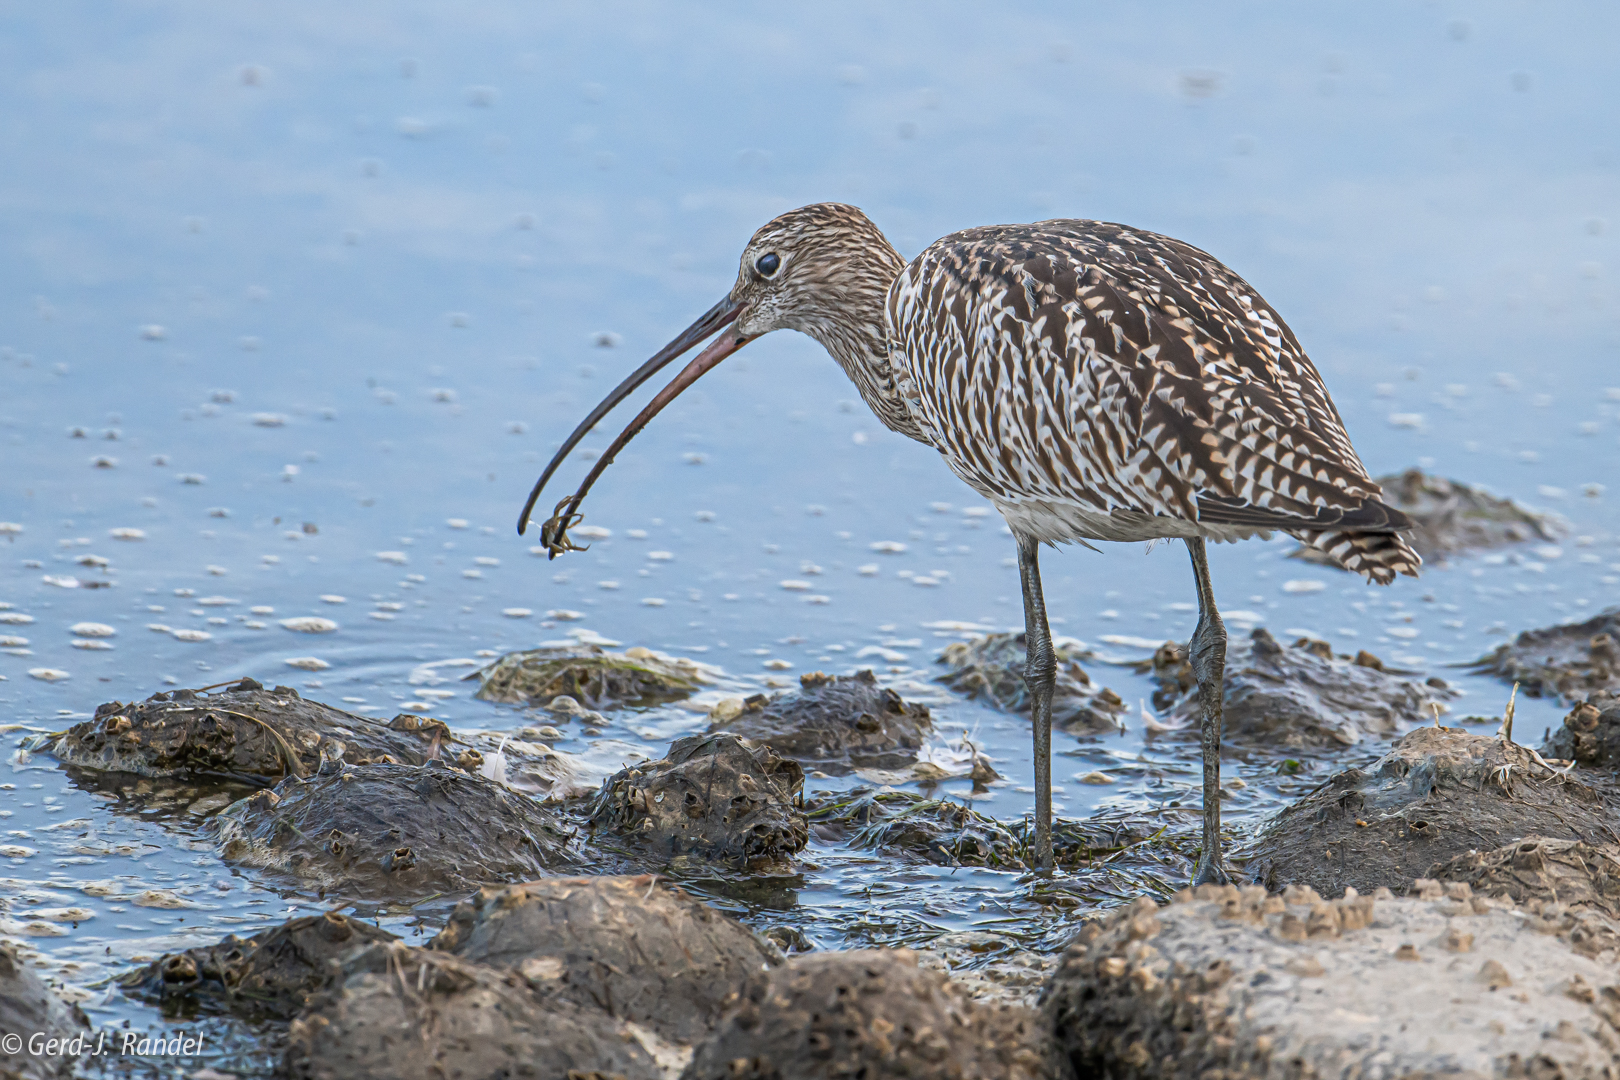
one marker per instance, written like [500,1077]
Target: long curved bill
[554,533]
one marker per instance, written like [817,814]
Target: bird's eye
[768,264]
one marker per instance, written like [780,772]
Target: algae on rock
[588,674]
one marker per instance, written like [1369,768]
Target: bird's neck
[854,330]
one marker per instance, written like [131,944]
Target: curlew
[1091,380]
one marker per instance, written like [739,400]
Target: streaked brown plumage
[1092,381]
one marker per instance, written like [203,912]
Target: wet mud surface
[868,1013]
[632,946]
[1570,661]
[1299,696]
[242,732]
[711,799]
[1437,793]
[402,1013]
[991,669]
[834,724]
[394,833]
[272,974]
[590,675]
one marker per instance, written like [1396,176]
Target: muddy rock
[947,832]
[271,974]
[940,831]
[871,1013]
[1534,869]
[834,724]
[27,1006]
[1238,984]
[1300,696]
[642,951]
[398,1013]
[992,668]
[1561,661]
[1436,794]
[394,832]
[1590,734]
[588,674]
[712,798]
[1452,518]
[240,732]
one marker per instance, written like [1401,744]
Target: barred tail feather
[1376,556]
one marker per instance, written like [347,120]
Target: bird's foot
[1210,870]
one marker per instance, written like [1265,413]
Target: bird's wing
[1124,370]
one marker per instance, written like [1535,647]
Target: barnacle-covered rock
[712,798]
[832,723]
[397,1013]
[1299,696]
[376,832]
[241,731]
[1437,793]
[1571,661]
[991,668]
[1239,984]
[868,1013]
[273,973]
[640,950]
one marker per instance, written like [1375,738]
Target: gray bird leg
[1040,675]
[1207,654]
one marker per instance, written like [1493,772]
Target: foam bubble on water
[309,624]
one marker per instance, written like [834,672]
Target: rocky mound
[273,973]
[1436,794]
[1451,518]
[243,731]
[712,798]
[638,949]
[394,832]
[1299,696]
[397,1013]
[1236,984]
[834,724]
[1561,661]
[991,669]
[870,1013]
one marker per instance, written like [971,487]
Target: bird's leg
[1040,675]
[1207,654]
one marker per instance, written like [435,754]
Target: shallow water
[320,286]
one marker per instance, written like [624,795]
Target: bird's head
[815,269]
[823,269]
